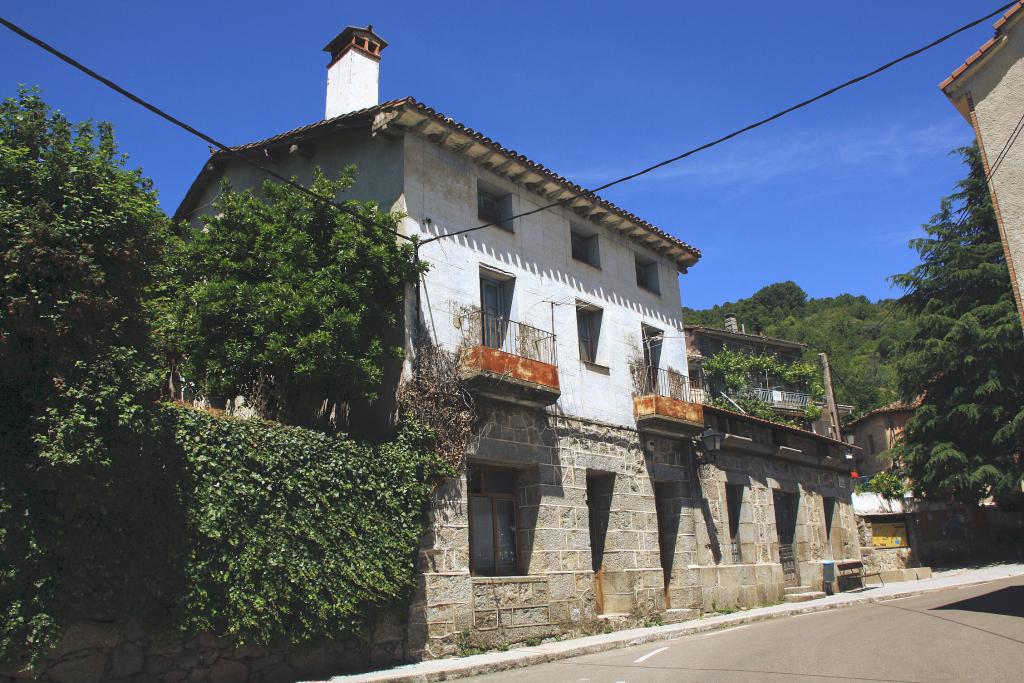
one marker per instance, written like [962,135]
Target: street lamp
[711,443]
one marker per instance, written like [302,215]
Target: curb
[493,662]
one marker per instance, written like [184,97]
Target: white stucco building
[585,501]
[988,91]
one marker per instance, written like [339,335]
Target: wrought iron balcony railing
[662,382]
[516,338]
[778,398]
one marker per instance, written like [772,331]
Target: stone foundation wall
[95,652]
[885,559]
[666,553]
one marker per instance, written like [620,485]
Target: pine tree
[965,358]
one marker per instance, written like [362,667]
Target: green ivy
[247,529]
[296,534]
[734,371]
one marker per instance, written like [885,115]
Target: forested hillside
[859,336]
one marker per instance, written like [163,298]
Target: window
[492,521]
[734,504]
[493,206]
[588,327]
[585,246]
[495,303]
[647,274]
[668,506]
[871,444]
[652,338]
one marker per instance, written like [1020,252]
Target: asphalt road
[966,634]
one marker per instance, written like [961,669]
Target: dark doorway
[734,506]
[785,526]
[669,505]
[830,510]
[599,501]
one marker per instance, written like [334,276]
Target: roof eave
[958,78]
[411,116]
[419,119]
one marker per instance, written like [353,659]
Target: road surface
[966,634]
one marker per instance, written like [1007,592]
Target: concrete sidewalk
[491,662]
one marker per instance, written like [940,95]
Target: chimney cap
[348,38]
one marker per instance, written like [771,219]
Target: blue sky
[827,197]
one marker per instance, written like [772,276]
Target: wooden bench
[853,569]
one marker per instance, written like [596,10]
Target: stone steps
[804,597]
[674,616]
[789,590]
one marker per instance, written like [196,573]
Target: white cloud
[897,149]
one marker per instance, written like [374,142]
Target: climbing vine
[735,373]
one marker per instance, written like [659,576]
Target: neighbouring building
[988,91]
[876,432]
[891,548]
[788,400]
[586,501]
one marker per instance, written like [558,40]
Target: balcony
[667,403]
[787,401]
[509,361]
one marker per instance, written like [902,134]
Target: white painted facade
[441,186]
[425,181]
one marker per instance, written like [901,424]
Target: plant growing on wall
[436,397]
[289,301]
[734,372]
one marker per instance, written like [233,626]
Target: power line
[184,126]
[745,129]
[1006,147]
[757,124]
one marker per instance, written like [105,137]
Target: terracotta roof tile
[979,53]
[894,407]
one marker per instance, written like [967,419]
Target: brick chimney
[353,75]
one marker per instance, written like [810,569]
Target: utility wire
[745,129]
[757,124]
[1006,147]
[184,126]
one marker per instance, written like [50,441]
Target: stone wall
[665,555]
[662,552]
[91,652]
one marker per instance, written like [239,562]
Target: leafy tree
[78,235]
[965,355]
[288,301]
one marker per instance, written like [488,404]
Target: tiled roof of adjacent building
[980,52]
[535,174]
[719,332]
[894,407]
[779,426]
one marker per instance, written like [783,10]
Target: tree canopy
[965,357]
[287,300]
[79,233]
